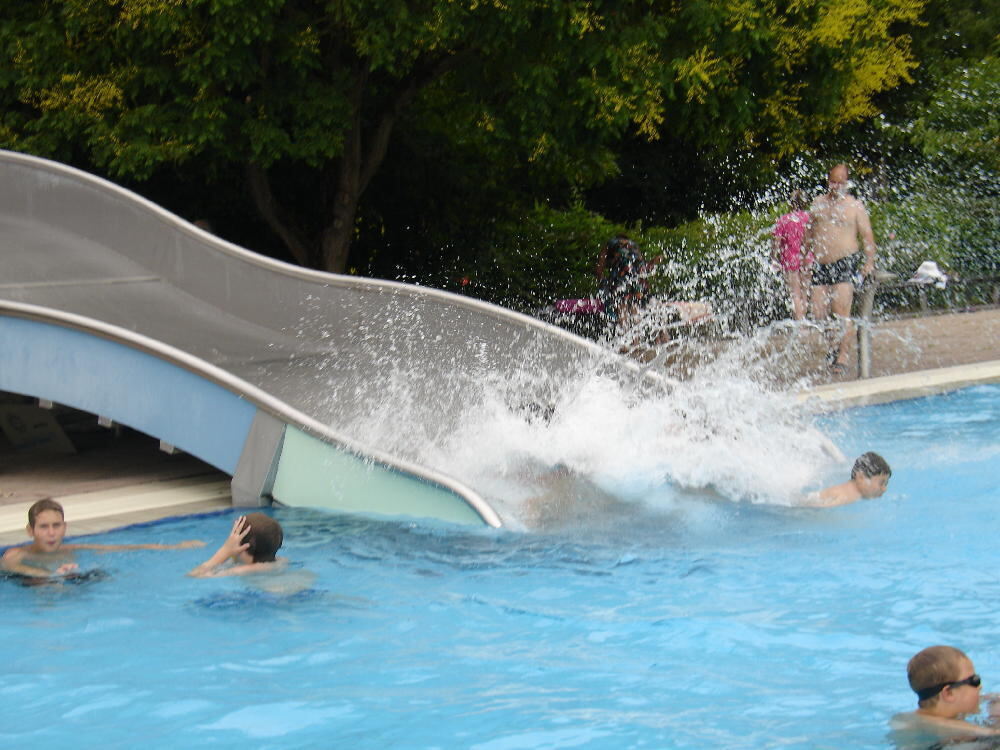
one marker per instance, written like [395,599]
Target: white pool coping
[105,510]
[901,387]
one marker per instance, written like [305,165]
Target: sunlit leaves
[703,71]
[962,120]
[546,86]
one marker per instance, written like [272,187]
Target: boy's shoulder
[25,554]
[255,568]
[14,554]
[915,727]
[838,494]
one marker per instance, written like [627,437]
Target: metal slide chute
[111,304]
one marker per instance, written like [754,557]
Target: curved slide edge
[38,201]
[268,447]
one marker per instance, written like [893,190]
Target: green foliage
[723,258]
[960,125]
[946,204]
[542,90]
[548,255]
[551,254]
[137,85]
[939,219]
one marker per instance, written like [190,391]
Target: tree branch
[409,87]
[270,211]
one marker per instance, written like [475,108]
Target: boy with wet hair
[251,545]
[947,689]
[48,556]
[869,479]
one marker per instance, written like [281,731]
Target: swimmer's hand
[233,546]
[993,709]
[66,569]
[234,543]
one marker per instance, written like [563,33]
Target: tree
[308,94]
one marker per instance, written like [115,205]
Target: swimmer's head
[871,474]
[46,525]
[938,668]
[265,537]
[46,504]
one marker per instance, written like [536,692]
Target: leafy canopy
[317,89]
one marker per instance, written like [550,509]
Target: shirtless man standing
[838,219]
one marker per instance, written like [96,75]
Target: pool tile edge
[95,512]
[901,387]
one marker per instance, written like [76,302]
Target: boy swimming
[869,479]
[48,556]
[252,546]
[948,690]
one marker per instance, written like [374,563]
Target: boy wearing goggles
[948,690]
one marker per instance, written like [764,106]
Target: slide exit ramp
[112,305]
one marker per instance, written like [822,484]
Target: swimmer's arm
[813,500]
[211,567]
[839,494]
[186,544]
[28,570]
[952,731]
[241,570]
[12,562]
[233,546]
[979,730]
[992,710]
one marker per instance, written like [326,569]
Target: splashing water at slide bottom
[597,440]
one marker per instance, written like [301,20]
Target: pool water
[704,623]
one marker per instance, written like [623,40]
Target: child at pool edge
[47,556]
[869,479]
[252,545]
[947,689]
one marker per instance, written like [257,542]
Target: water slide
[303,386]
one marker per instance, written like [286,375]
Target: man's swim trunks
[838,272]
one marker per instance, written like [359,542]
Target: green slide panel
[315,474]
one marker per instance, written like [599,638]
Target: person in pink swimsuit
[796,263]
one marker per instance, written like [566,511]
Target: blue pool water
[702,623]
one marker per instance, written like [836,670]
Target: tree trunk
[361,160]
[356,169]
[364,152]
[335,244]
[336,241]
[269,209]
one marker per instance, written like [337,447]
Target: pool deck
[121,486]
[899,387]
[123,483]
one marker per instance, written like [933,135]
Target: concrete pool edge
[901,387]
[105,510]
[91,512]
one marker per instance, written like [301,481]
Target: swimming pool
[703,624]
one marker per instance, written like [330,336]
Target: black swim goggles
[929,692]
